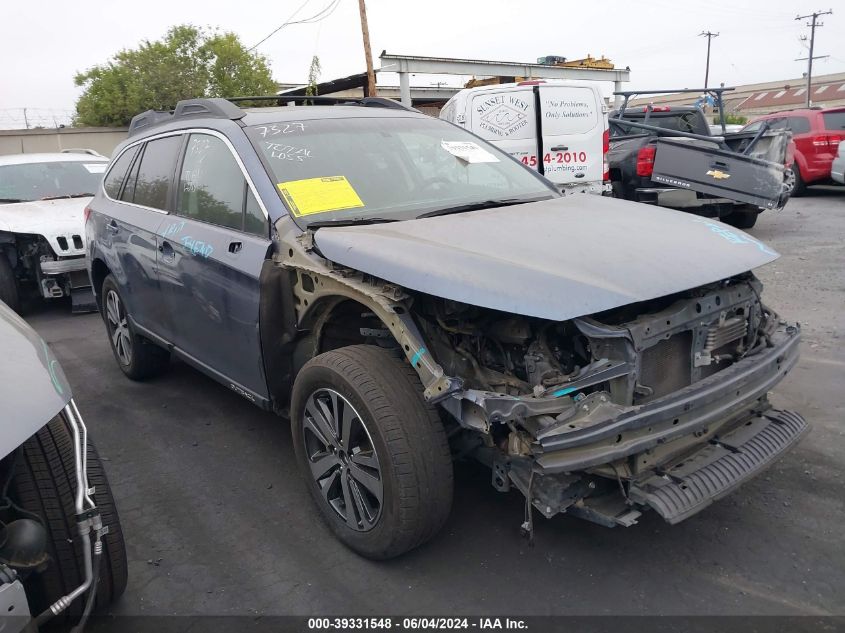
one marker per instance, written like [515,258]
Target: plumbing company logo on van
[503,114]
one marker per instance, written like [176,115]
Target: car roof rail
[214,107]
[220,108]
[81,150]
[283,99]
[148,119]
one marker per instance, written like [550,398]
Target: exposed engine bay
[595,415]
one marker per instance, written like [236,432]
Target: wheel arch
[99,272]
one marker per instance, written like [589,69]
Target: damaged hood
[51,219]
[556,259]
[33,387]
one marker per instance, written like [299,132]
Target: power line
[313,19]
[709,37]
[810,57]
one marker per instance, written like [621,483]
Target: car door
[211,252]
[572,125]
[131,223]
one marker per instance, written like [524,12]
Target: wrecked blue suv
[408,294]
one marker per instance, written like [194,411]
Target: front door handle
[112,227]
[166,249]
[235,247]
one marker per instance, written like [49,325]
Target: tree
[313,77]
[188,62]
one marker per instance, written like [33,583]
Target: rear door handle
[235,247]
[559,148]
[112,227]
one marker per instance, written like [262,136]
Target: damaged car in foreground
[409,294]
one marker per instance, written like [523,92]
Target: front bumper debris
[690,485]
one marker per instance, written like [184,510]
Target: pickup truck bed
[669,158]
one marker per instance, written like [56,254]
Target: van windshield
[386,168]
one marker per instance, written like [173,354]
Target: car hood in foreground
[33,387]
[556,259]
[63,217]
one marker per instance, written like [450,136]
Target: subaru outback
[408,294]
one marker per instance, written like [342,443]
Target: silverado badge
[718,174]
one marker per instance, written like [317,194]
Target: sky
[45,42]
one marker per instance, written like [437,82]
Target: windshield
[387,168]
[55,179]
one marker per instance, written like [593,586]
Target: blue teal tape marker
[563,392]
[417,356]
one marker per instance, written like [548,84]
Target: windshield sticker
[280,151]
[279,128]
[468,152]
[95,168]
[318,195]
[734,237]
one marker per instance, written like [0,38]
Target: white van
[558,128]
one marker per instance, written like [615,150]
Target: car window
[777,124]
[753,127]
[128,192]
[834,120]
[117,173]
[211,184]
[155,172]
[254,220]
[798,124]
[52,179]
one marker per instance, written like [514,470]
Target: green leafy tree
[188,62]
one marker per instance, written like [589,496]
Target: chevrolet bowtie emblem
[718,174]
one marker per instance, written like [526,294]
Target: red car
[816,133]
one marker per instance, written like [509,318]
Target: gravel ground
[218,522]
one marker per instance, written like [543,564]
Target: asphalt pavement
[217,520]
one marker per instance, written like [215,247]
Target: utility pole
[368,55]
[810,58]
[709,37]
[25,120]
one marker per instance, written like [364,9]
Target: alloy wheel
[118,328]
[343,459]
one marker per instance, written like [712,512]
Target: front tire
[137,357]
[43,484]
[372,450]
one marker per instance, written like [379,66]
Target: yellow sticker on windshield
[318,195]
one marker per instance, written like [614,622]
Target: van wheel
[43,485]
[8,285]
[372,450]
[800,187]
[743,218]
[137,357]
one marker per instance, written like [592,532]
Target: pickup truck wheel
[743,218]
[44,485]
[137,357]
[372,450]
[800,187]
[8,285]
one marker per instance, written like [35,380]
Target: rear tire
[800,187]
[743,218]
[400,441]
[44,484]
[8,285]
[137,357]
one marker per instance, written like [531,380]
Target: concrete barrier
[102,140]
